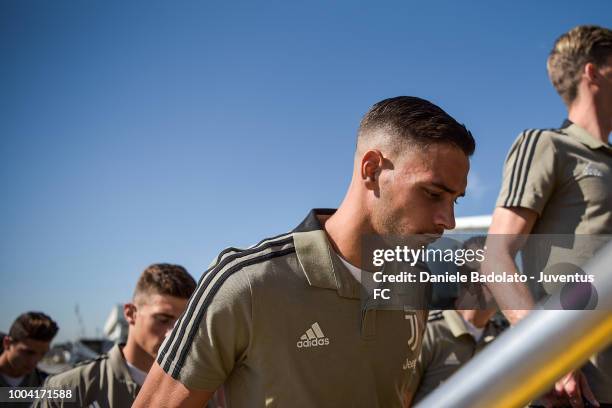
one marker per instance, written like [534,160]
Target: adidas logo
[590,170]
[313,337]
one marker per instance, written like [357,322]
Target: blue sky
[140,132]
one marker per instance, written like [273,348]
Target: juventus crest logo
[413,321]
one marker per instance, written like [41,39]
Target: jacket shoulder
[82,373]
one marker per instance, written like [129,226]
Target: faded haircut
[408,121]
[165,279]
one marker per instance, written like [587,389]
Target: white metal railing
[526,360]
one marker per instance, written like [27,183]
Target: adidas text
[313,337]
[313,343]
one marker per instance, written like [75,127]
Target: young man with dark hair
[281,323]
[25,345]
[557,181]
[114,379]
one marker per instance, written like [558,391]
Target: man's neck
[136,356]
[345,229]
[6,368]
[586,114]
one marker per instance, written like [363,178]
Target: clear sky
[156,131]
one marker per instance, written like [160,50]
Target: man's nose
[446,218]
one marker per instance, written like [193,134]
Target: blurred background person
[25,345]
[114,379]
[557,182]
[453,337]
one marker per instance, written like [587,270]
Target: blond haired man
[558,181]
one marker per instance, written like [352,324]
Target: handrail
[525,361]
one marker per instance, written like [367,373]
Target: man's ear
[590,72]
[6,342]
[371,166]
[129,312]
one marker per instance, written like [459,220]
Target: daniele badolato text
[460,257]
[476,277]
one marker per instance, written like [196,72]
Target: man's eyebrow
[163,314]
[447,189]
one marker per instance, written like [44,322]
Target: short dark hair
[418,122]
[474,243]
[33,325]
[165,279]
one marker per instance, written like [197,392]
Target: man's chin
[413,240]
[428,238]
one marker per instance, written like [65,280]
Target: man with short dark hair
[25,345]
[114,379]
[281,323]
[557,181]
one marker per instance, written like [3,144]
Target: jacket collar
[119,366]
[321,265]
[455,323]
[583,136]
[458,327]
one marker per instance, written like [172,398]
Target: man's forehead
[449,173]
[440,164]
[458,190]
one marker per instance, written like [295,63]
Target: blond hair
[571,52]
